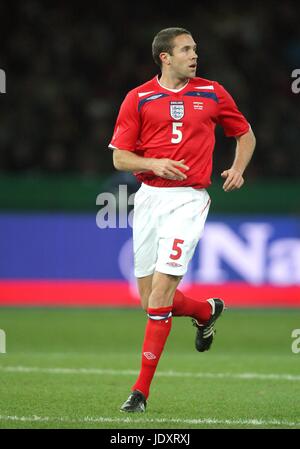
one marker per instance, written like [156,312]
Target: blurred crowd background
[69,66]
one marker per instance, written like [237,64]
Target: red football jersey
[157,122]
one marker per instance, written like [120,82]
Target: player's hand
[169,169]
[234,179]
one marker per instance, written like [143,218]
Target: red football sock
[184,306]
[157,330]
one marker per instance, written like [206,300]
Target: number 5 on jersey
[176,132]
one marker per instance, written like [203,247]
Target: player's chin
[191,73]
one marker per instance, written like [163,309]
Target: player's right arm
[165,168]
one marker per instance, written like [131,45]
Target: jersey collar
[172,90]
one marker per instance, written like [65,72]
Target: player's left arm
[235,125]
[245,145]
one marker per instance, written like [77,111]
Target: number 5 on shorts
[177,249]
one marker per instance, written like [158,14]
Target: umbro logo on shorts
[173,264]
[149,355]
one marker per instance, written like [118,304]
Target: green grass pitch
[73,368]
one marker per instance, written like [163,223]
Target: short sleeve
[229,117]
[127,127]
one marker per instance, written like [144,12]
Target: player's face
[183,61]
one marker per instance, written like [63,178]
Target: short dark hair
[163,42]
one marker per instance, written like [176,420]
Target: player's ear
[165,58]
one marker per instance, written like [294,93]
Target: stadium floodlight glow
[2,82]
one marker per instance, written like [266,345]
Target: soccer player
[165,135]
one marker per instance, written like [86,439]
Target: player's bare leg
[163,289]
[159,282]
[145,288]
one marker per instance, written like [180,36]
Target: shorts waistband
[147,188]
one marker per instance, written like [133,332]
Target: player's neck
[169,82]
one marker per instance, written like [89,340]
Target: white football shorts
[167,225]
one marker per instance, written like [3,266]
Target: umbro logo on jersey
[177,109]
[154,97]
[143,101]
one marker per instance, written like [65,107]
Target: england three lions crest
[177,109]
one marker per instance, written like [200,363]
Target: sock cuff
[159,313]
